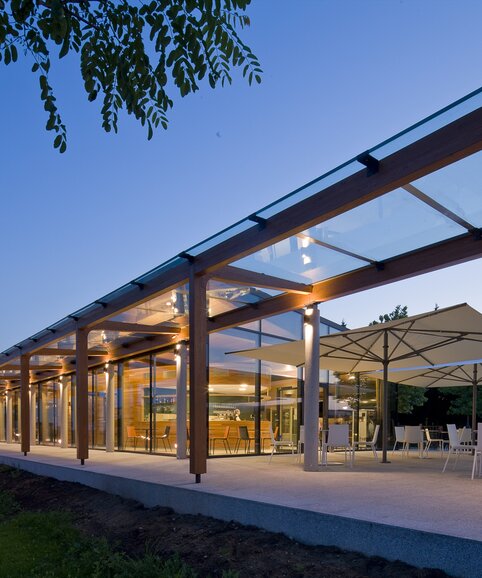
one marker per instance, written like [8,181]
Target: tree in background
[132,54]
[461,401]
[408,397]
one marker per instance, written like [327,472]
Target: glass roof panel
[296,259]
[171,307]
[457,187]
[387,226]
[220,237]
[306,191]
[227,296]
[428,125]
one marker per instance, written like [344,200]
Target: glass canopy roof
[439,206]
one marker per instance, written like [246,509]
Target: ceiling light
[306,259]
[305,242]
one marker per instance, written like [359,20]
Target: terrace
[410,511]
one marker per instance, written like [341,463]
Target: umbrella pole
[385,398]
[474,403]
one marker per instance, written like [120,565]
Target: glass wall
[3,415]
[252,401]
[146,407]
[97,407]
[48,412]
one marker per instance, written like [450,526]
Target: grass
[42,545]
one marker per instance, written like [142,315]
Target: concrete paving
[407,509]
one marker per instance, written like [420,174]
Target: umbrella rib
[367,351]
[428,348]
[400,339]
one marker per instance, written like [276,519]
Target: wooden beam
[450,143]
[108,325]
[53,351]
[444,254]
[232,274]
[24,404]
[141,346]
[198,377]
[14,367]
[82,395]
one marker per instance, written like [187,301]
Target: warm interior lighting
[243,387]
[305,242]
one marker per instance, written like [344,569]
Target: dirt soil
[208,545]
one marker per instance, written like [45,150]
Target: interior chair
[339,437]
[437,441]
[223,438]
[455,446]
[399,436]
[275,444]
[243,436]
[134,436]
[301,442]
[369,444]
[165,438]
[413,436]
[477,465]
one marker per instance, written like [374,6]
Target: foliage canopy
[133,55]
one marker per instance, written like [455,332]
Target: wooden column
[25,404]
[110,408]
[181,400]
[311,401]
[198,372]
[33,415]
[82,400]
[9,416]
[64,413]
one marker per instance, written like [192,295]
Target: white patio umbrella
[464,375]
[453,334]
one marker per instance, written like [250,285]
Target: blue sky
[339,77]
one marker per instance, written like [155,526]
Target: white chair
[465,435]
[370,444]
[478,452]
[339,437]
[455,446]
[279,444]
[413,436]
[430,440]
[399,436]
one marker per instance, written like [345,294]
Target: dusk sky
[339,77]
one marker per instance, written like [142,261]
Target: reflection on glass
[48,413]
[353,400]
[163,403]
[385,227]
[147,404]
[457,188]
[232,394]
[295,260]
[135,405]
